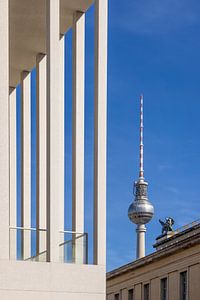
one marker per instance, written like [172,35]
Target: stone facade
[179,254]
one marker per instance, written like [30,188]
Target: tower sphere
[141,210]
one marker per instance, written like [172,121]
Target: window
[130,294]
[116,296]
[183,285]
[146,291]
[163,289]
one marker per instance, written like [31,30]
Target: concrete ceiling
[28,31]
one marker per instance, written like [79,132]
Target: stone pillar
[55,131]
[13,173]
[62,109]
[173,285]
[141,230]
[4,130]
[100,131]
[110,297]
[41,111]
[78,131]
[138,291]
[155,289]
[26,163]
[193,280]
[124,294]
[62,96]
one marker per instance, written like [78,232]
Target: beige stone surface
[124,294]
[26,162]
[41,175]
[20,278]
[170,265]
[55,131]
[138,291]
[4,130]
[78,120]
[28,31]
[194,281]
[110,297]
[31,295]
[32,29]
[100,130]
[13,170]
[154,289]
[173,285]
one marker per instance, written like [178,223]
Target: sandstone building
[170,273]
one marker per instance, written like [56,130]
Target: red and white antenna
[141,173]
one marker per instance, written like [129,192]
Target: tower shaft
[140,230]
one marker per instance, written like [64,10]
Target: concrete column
[141,229]
[62,95]
[26,162]
[4,130]
[78,129]
[55,130]
[13,173]
[41,151]
[62,109]
[100,131]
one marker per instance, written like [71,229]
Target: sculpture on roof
[167,225]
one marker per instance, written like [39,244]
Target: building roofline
[177,233]
[189,241]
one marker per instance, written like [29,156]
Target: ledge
[174,247]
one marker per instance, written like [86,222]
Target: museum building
[172,272]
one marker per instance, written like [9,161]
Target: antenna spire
[141,172]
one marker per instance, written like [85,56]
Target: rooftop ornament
[167,225]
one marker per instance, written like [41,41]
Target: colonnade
[50,135]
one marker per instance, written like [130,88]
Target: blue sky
[153,49]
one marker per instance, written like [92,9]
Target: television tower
[141,210]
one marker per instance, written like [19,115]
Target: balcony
[29,244]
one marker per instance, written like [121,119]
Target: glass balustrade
[29,244]
[73,247]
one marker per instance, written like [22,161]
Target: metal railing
[29,244]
